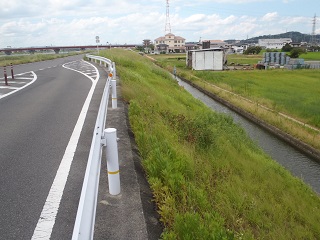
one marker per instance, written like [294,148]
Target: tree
[296,52]
[140,48]
[253,50]
[286,48]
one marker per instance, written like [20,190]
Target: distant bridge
[56,49]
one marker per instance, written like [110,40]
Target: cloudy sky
[77,22]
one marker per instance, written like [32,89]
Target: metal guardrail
[84,224]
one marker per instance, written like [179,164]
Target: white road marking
[50,209]
[15,82]
[33,80]
[8,87]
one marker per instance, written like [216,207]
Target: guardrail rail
[85,219]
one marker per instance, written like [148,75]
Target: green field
[296,93]
[311,56]
[244,59]
[209,180]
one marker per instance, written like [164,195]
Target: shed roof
[206,50]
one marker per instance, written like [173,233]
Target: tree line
[293,52]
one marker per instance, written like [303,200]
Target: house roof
[206,50]
[163,38]
[160,39]
[214,41]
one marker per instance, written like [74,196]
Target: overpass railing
[85,219]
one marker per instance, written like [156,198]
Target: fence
[85,219]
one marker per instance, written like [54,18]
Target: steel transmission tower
[168,26]
[313,34]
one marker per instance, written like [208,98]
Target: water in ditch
[299,164]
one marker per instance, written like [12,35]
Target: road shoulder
[131,214]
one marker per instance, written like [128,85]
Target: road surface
[39,112]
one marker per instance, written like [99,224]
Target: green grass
[209,180]
[294,92]
[311,56]
[15,60]
[244,59]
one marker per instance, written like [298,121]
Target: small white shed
[206,59]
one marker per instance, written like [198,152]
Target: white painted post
[114,93]
[112,160]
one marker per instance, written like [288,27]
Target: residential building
[192,46]
[175,44]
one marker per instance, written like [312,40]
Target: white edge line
[50,209]
[34,79]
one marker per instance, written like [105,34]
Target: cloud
[269,17]
[196,18]
[73,22]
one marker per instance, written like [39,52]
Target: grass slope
[208,179]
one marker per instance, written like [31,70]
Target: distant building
[175,44]
[274,43]
[192,46]
[213,44]
[232,41]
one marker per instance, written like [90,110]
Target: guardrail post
[114,93]
[114,70]
[110,135]
[5,75]
[12,75]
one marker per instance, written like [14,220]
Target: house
[160,48]
[191,46]
[175,44]
[274,43]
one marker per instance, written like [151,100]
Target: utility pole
[97,41]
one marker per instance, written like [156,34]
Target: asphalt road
[36,123]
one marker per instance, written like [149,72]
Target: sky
[78,22]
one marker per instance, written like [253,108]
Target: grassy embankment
[15,60]
[295,93]
[209,180]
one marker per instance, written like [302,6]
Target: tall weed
[209,180]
